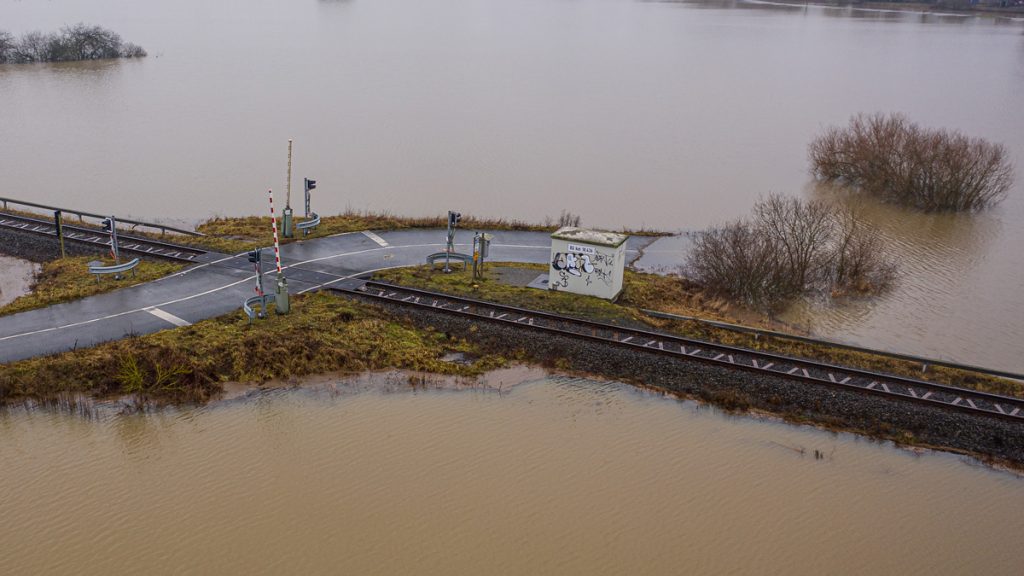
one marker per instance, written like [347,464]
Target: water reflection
[560,475]
[939,255]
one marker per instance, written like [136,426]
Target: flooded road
[675,115]
[554,476]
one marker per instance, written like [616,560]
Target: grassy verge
[69,279]
[671,294]
[189,364]
[237,234]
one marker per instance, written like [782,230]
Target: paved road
[221,283]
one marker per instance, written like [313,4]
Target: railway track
[818,373]
[93,237]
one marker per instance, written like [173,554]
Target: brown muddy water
[551,476]
[674,115]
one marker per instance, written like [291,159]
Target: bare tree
[790,248]
[32,47]
[7,46]
[899,161]
[77,42]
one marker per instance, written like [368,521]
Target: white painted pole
[277,244]
[288,183]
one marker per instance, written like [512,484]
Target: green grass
[674,295]
[69,279]
[322,334]
[232,235]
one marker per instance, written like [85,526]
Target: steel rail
[758,332]
[842,377]
[93,237]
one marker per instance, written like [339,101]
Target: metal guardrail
[163,228]
[925,362]
[250,303]
[307,225]
[465,258]
[115,269]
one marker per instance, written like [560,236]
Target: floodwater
[552,476]
[674,115]
[15,278]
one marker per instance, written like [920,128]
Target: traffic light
[254,256]
[453,218]
[310,184]
[108,225]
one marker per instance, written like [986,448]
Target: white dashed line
[375,238]
[168,317]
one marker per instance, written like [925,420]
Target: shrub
[788,249]
[77,42]
[898,161]
[7,46]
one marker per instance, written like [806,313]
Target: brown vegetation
[899,161]
[789,248]
[190,364]
[237,234]
[72,43]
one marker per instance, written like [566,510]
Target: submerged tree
[787,249]
[71,43]
[899,161]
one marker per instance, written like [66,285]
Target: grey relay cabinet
[587,262]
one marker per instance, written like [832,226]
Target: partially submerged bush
[78,42]
[787,249]
[899,161]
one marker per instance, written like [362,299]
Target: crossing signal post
[453,222]
[256,257]
[309,185]
[110,226]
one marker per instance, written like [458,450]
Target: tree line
[70,43]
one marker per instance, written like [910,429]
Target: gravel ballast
[903,422]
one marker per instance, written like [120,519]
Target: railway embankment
[904,423]
[39,248]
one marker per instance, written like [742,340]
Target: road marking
[375,238]
[127,312]
[249,278]
[168,317]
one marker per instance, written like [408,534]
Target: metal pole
[58,219]
[288,191]
[448,244]
[281,296]
[113,242]
[305,186]
[476,254]
[286,215]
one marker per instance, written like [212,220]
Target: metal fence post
[58,221]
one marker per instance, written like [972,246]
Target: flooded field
[674,115]
[551,476]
